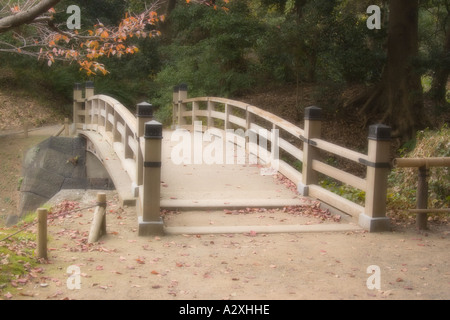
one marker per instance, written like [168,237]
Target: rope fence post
[42,234]
[98,226]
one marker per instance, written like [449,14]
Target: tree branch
[27,16]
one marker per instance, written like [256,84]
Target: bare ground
[249,266]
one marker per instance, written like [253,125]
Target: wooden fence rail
[422,164]
[301,144]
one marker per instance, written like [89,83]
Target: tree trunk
[399,96]
[402,81]
[439,85]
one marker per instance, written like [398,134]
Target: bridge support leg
[150,223]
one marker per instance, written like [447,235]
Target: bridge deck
[196,188]
[206,191]
[203,186]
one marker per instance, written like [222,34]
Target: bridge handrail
[118,107]
[112,120]
[376,160]
[295,131]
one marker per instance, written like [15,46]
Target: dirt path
[237,266]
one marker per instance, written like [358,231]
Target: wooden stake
[98,226]
[42,234]
[422,198]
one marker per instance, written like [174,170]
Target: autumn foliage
[86,46]
[101,41]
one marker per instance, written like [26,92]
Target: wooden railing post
[422,198]
[209,119]
[312,129]
[77,104]
[42,233]
[175,107]
[66,127]
[151,222]
[144,113]
[378,166]
[89,89]
[182,95]
[88,92]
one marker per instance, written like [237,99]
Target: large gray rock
[55,164]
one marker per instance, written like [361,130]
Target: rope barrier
[50,217]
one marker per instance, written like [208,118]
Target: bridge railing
[108,117]
[302,145]
[136,141]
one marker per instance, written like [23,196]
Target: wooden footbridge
[155,168]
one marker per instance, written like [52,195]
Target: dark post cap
[77,86]
[313,113]
[182,87]
[89,85]
[153,130]
[176,88]
[144,109]
[379,132]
